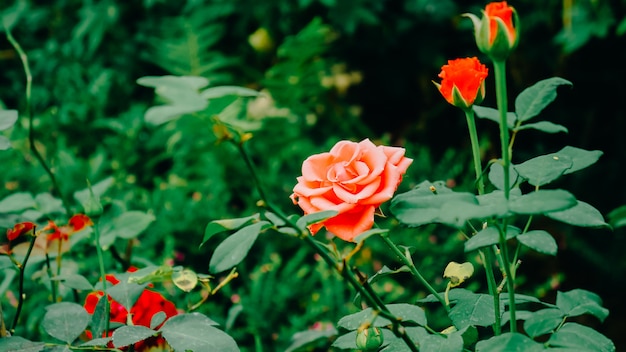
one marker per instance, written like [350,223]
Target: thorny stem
[22,269]
[29,113]
[343,270]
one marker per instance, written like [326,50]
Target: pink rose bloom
[353,179]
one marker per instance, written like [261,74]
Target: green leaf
[383,272]
[496,175]
[20,344]
[404,311]
[617,217]
[89,197]
[315,218]
[191,332]
[157,319]
[132,223]
[125,293]
[174,82]
[103,341]
[580,337]
[235,248]
[74,281]
[7,119]
[489,236]
[539,240]
[542,322]
[581,214]
[544,169]
[131,334]
[99,319]
[476,309]
[542,201]
[494,115]
[303,338]
[508,342]
[218,92]
[17,202]
[422,206]
[371,232]
[578,302]
[218,226]
[530,102]
[65,321]
[437,343]
[543,126]
[580,158]
[5,143]
[181,93]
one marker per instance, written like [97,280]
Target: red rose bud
[463,82]
[79,222]
[20,229]
[497,31]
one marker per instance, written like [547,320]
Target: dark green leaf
[494,115]
[437,343]
[530,102]
[404,311]
[496,175]
[581,337]
[539,240]
[581,214]
[488,236]
[543,126]
[580,158]
[65,321]
[542,201]
[75,281]
[103,341]
[509,342]
[384,272]
[474,310]
[99,319]
[542,322]
[577,302]
[157,319]
[303,338]
[131,334]
[219,226]
[17,202]
[89,197]
[190,332]
[20,344]
[365,235]
[315,218]
[218,92]
[235,248]
[346,341]
[126,293]
[544,169]
[617,217]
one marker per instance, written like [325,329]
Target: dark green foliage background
[87,55]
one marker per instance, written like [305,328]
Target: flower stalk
[22,295]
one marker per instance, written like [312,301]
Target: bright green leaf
[542,201]
[580,337]
[157,319]
[17,202]
[530,102]
[475,310]
[489,236]
[131,334]
[364,235]
[65,321]
[74,281]
[508,342]
[581,214]
[494,115]
[125,293]
[89,197]
[20,344]
[7,119]
[617,217]
[218,226]
[235,248]
[218,92]
[5,143]
[544,169]
[539,240]
[496,175]
[190,332]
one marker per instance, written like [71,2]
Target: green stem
[96,233]
[510,279]
[394,248]
[471,125]
[22,269]
[501,97]
[29,113]
[53,286]
[493,289]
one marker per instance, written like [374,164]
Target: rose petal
[351,224]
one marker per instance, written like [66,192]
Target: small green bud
[369,339]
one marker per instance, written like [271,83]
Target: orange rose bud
[20,229]
[463,82]
[497,32]
[79,222]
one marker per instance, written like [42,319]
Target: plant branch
[22,295]
[501,97]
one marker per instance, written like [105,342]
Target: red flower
[497,32]
[147,305]
[20,229]
[463,82]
